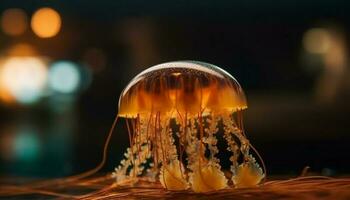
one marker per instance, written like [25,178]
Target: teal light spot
[26,146]
[64,77]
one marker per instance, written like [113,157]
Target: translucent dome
[175,114]
[182,86]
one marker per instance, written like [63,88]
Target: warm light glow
[317,40]
[46,22]
[14,21]
[21,49]
[177,108]
[171,90]
[24,78]
[5,95]
[64,77]
[18,50]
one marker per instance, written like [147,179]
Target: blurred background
[63,64]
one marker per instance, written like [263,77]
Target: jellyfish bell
[185,86]
[175,113]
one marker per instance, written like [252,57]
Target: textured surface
[303,188]
[298,188]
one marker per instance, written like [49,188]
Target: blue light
[64,77]
[26,145]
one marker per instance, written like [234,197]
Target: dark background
[298,111]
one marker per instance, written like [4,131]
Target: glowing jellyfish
[175,114]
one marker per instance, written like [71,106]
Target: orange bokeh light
[21,49]
[14,21]
[46,22]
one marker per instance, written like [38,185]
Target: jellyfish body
[175,114]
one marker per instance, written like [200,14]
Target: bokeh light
[95,59]
[14,21]
[21,49]
[46,22]
[64,77]
[317,40]
[5,95]
[20,143]
[24,78]
[26,145]
[6,144]
[17,50]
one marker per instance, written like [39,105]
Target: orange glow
[22,79]
[21,49]
[165,88]
[317,40]
[46,22]
[5,95]
[14,21]
[186,101]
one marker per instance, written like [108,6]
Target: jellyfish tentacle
[169,139]
[184,135]
[192,152]
[132,160]
[198,97]
[144,153]
[161,141]
[203,176]
[248,173]
[211,139]
[201,150]
[248,145]
[181,147]
[135,146]
[131,153]
[261,160]
[120,172]
[147,132]
[139,132]
[240,119]
[171,177]
[137,154]
[171,173]
[232,145]
[201,132]
[180,134]
[155,142]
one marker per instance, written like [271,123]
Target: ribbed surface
[186,86]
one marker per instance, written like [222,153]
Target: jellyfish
[180,116]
